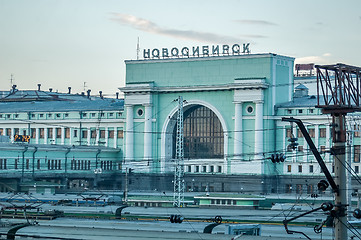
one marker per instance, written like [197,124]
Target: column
[12,134]
[88,136]
[106,136]
[36,135]
[148,132]
[238,135]
[45,135]
[115,137]
[54,136]
[97,136]
[62,135]
[129,136]
[71,130]
[259,128]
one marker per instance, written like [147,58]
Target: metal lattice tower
[339,87]
[178,198]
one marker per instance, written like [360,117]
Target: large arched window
[203,134]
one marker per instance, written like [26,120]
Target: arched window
[203,134]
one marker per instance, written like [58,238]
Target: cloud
[253,36]
[324,58]
[150,27]
[255,22]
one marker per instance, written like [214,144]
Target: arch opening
[203,134]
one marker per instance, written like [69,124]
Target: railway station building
[232,104]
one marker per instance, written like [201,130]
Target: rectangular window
[322,132]
[299,133]
[58,132]
[27,164]
[357,131]
[357,150]
[288,132]
[93,133]
[1,131]
[300,110]
[289,168]
[204,169]
[219,169]
[211,169]
[16,131]
[356,169]
[41,132]
[189,168]
[310,111]
[67,132]
[84,134]
[288,188]
[16,164]
[311,168]
[120,134]
[38,164]
[50,133]
[311,132]
[322,149]
[309,189]
[197,169]
[33,133]
[300,148]
[75,133]
[299,188]
[102,133]
[299,168]
[8,132]
[111,134]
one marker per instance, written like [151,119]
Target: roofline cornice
[200,88]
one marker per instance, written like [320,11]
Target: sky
[83,43]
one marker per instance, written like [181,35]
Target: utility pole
[349,176]
[339,93]
[178,197]
[339,150]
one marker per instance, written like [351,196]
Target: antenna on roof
[11,80]
[138,49]
[84,86]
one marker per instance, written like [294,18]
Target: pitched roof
[43,101]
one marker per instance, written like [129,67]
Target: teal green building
[229,112]
[71,141]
